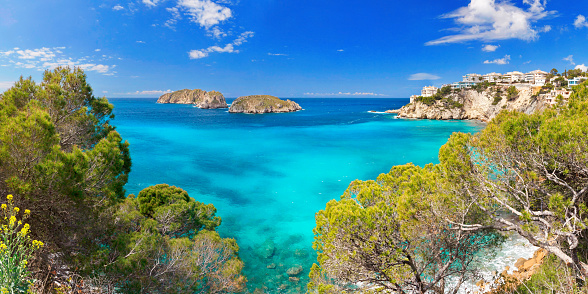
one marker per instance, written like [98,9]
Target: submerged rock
[294,271]
[268,248]
[200,98]
[262,104]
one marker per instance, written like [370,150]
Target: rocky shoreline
[480,105]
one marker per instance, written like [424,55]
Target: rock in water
[200,98]
[263,104]
[294,271]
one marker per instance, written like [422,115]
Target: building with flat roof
[492,77]
[576,81]
[536,77]
[551,97]
[513,77]
[472,78]
[429,91]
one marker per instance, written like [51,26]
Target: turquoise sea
[269,174]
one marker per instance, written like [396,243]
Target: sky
[287,48]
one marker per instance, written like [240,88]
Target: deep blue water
[269,174]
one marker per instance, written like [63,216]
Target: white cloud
[277,54]
[582,67]
[151,3]
[489,48]
[205,12]
[50,58]
[570,59]
[501,61]
[5,85]
[141,42]
[117,7]
[546,29]
[422,77]
[146,92]
[488,20]
[228,48]
[344,94]
[340,50]
[97,50]
[580,22]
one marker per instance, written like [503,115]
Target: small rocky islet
[198,97]
[263,104]
[245,104]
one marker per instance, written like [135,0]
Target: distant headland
[482,97]
[262,104]
[200,98]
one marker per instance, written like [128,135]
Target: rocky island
[262,104]
[480,104]
[200,98]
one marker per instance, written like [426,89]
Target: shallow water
[269,174]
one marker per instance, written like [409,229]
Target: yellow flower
[9,197]
[37,244]
[25,230]
[2,246]
[3,206]
[27,212]
[16,209]
[12,220]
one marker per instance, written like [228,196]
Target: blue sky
[287,48]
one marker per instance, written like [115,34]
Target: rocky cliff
[474,104]
[263,104]
[200,98]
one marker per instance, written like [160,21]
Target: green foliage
[394,234]
[512,93]
[62,158]
[16,249]
[164,243]
[551,277]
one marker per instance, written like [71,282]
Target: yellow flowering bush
[16,248]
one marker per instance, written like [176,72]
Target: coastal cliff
[200,98]
[263,104]
[473,104]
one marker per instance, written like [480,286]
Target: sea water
[268,174]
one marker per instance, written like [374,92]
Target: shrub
[16,249]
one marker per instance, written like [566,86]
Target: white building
[513,77]
[536,77]
[551,97]
[492,77]
[472,78]
[429,91]
[576,81]
[413,97]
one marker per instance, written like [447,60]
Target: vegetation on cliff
[263,104]
[62,160]
[524,173]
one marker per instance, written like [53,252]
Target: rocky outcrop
[200,98]
[473,104]
[263,104]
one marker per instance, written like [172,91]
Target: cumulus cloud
[344,94]
[228,48]
[488,20]
[5,85]
[423,76]
[501,61]
[50,58]
[117,8]
[489,48]
[570,59]
[580,22]
[582,67]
